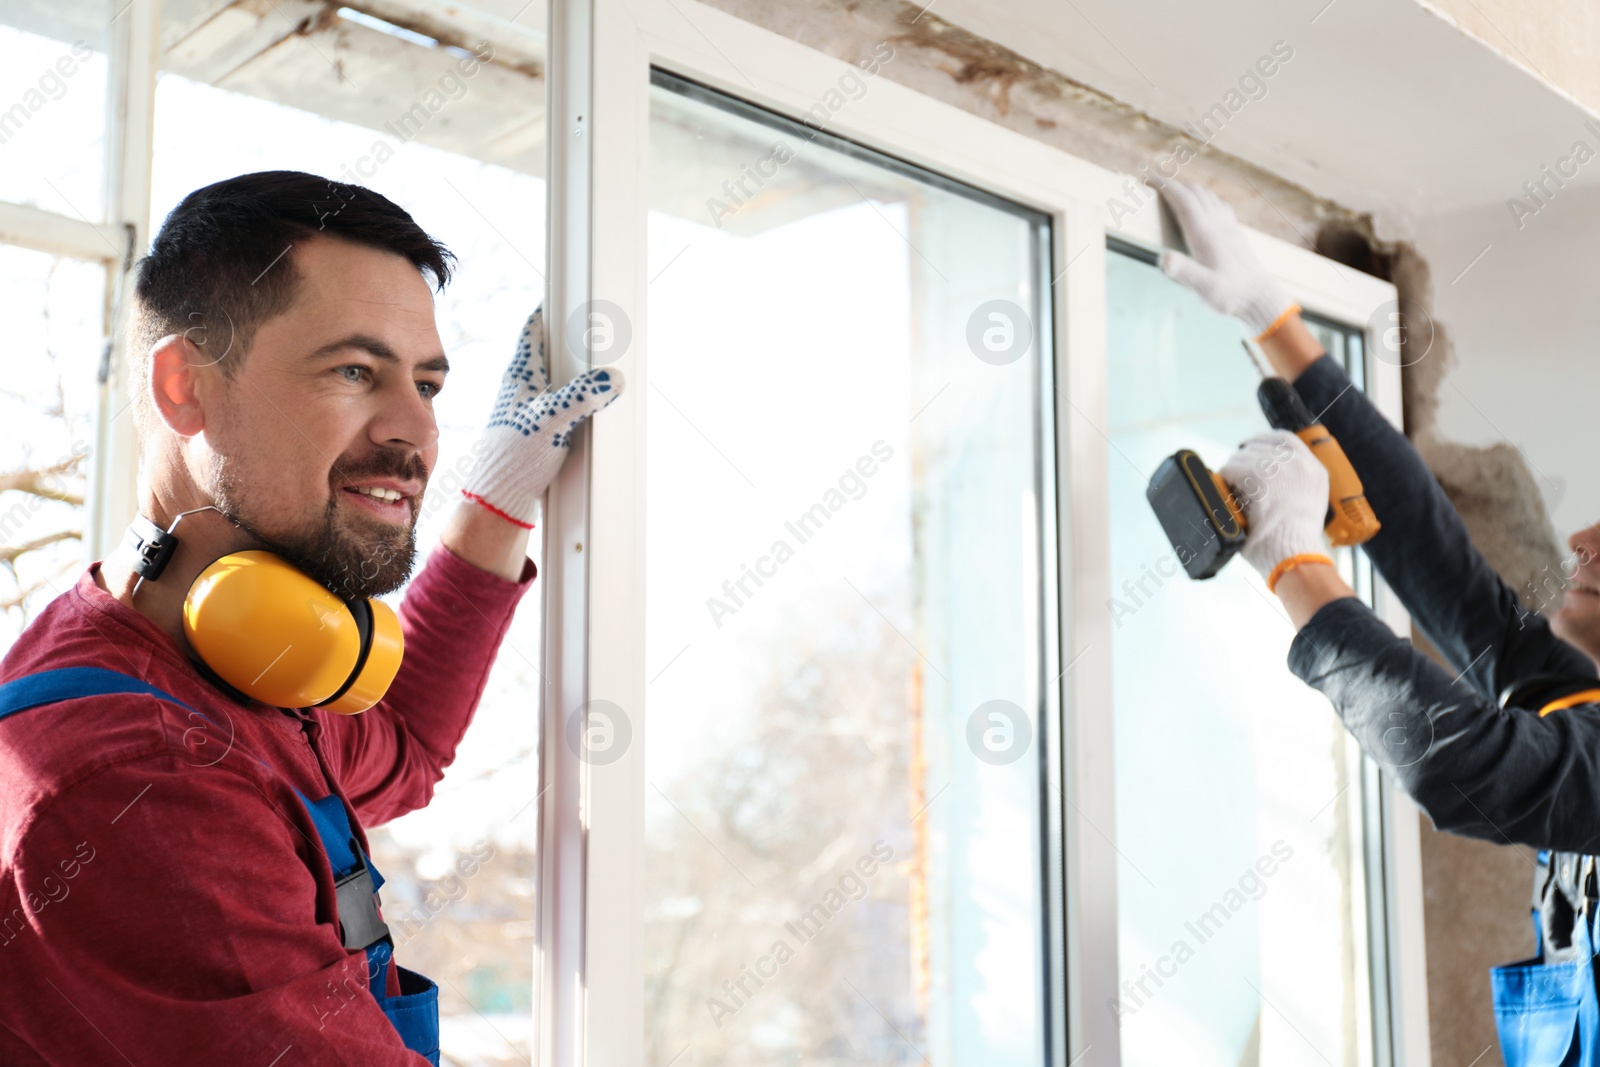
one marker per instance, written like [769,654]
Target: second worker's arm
[1478,770]
[1422,551]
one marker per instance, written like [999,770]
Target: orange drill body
[1200,512]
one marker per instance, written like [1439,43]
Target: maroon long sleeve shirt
[163,899]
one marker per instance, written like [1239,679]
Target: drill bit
[1254,359]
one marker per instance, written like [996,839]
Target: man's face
[1577,621]
[335,395]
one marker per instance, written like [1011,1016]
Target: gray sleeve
[1423,552]
[1477,770]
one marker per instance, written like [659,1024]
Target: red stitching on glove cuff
[476,499]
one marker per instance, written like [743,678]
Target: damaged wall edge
[1493,486]
[959,68]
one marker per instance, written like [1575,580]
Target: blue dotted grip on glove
[530,428]
[525,402]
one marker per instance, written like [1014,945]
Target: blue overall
[414,1013]
[1546,1008]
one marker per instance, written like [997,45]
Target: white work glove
[531,426]
[1225,271]
[1284,493]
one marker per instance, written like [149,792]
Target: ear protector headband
[275,634]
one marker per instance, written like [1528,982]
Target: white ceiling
[1384,106]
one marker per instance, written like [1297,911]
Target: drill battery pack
[1197,513]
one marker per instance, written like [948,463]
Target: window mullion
[130,121]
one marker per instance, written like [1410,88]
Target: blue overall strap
[68,683]
[414,1013]
[355,881]
[333,827]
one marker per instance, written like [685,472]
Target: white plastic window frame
[1351,299]
[134,51]
[592,817]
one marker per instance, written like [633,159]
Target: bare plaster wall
[1476,893]
[1559,40]
[1505,427]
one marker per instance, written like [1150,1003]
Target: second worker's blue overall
[1546,1008]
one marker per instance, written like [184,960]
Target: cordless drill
[1201,514]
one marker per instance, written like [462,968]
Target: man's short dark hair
[222,266]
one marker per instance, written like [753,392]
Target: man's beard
[360,557]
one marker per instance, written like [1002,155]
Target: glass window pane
[1242,937]
[53,105]
[843,605]
[473,936]
[53,309]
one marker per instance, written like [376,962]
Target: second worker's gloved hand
[1224,270]
[1284,493]
[531,427]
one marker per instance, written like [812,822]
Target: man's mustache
[384,465]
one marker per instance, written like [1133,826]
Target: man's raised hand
[530,428]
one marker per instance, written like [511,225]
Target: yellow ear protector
[273,633]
